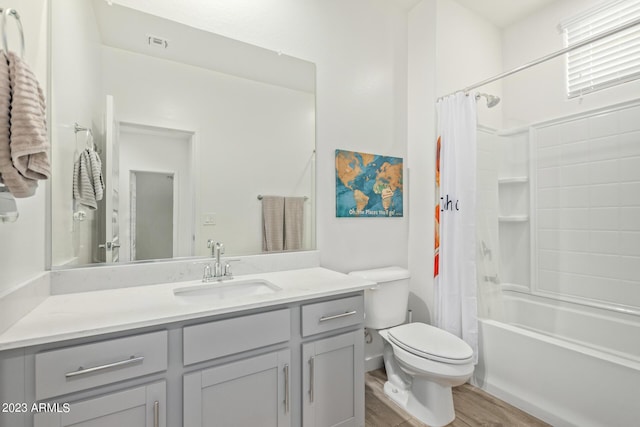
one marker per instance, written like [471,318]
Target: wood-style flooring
[474,407]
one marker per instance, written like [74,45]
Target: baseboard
[523,405]
[373,362]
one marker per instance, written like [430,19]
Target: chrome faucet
[219,271]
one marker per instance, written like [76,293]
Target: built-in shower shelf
[513,218]
[513,180]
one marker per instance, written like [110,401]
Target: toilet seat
[431,343]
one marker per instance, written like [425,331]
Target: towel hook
[14,13]
[88,142]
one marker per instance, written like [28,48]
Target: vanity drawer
[328,315]
[85,366]
[224,337]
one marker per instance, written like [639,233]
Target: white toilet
[422,361]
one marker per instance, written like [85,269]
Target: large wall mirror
[188,127]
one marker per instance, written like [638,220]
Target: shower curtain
[455,255]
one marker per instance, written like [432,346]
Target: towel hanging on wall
[293,222]
[88,185]
[272,223]
[24,148]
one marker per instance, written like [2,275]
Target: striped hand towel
[29,143]
[88,185]
[18,184]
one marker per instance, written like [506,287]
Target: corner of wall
[421,149]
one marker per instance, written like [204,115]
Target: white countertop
[77,315]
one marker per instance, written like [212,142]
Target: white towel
[293,222]
[18,184]
[88,185]
[272,223]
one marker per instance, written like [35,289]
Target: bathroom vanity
[288,356]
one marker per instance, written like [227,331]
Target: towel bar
[14,13]
[8,207]
[260,196]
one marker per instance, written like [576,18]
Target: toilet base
[427,401]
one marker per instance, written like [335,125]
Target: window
[609,61]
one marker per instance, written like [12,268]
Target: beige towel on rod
[29,143]
[18,185]
[293,222]
[272,223]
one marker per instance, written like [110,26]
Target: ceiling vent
[157,41]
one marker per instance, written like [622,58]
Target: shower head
[492,100]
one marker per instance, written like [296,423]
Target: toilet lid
[430,342]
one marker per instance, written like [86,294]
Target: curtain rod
[551,56]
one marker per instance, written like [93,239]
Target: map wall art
[368,185]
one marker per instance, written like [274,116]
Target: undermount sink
[228,289]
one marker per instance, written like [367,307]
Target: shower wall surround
[588,207]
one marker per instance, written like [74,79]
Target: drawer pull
[120,364]
[156,414]
[286,389]
[338,316]
[312,377]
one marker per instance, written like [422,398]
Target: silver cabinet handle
[338,316]
[122,363]
[286,389]
[156,414]
[312,375]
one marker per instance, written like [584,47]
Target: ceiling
[503,13]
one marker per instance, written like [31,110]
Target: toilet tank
[385,305]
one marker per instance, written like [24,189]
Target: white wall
[161,152]
[421,122]
[76,91]
[468,51]
[360,50]
[22,252]
[450,47]
[539,93]
[243,132]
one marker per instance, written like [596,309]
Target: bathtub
[567,364]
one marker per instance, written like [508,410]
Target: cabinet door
[249,392]
[143,406]
[333,381]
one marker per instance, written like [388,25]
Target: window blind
[609,61]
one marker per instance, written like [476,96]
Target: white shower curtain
[455,259]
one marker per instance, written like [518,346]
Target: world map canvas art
[368,185]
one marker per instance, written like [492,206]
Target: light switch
[209,219]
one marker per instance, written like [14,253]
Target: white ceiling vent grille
[158,41]
[609,61]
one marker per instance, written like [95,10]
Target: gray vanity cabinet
[249,392]
[289,366]
[333,367]
[143,406]
[332,381]
[75,369]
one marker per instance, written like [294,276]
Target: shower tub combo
[568,364]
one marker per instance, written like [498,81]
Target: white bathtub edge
[524,405]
